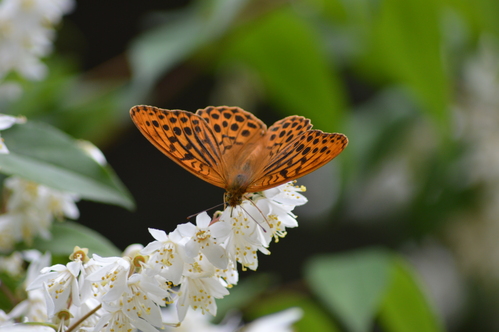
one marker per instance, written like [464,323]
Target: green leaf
[406,47]
[67,235]
[351,285]
[45,155]
[405,307]
[287,54]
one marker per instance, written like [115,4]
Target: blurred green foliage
[389,74]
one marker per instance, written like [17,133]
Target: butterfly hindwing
[304,154]
[185,138]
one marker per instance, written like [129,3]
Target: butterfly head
[234,196]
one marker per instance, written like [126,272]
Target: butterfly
[233,149]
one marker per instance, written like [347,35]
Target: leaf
[45,155]
[288,55]
[405,46]
[405,307]
[67,235]
[351,285]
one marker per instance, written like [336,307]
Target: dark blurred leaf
[380,129]
[243,293]
[351,285]
[314,318]
[67,235]
[161,48]
[405,307]
[287,54]
[10,284]
[45,155]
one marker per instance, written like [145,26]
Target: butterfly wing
[233,128]
[185,138]
[284,131]
[295,151]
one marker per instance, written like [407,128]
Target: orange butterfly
[232,149]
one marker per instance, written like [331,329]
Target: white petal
[192,248]
[220,230]
[3,147]
[217,256]
[187,229]
[151,247]
[158,234]
[203,220]
[7,121]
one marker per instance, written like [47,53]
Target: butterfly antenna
[263,229]
[195,214]
[256,206]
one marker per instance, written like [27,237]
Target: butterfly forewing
[185,138]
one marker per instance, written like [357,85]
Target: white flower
[229,275]
[114,321]
[205,238]
[5,319]
[30,210]
[9,232]
[247,237]
[132,250]
[109,280]
[138,304]
[12,264]
[287,194]
[280,201]
[34,308]
[82,310]
[26,28]
[166,254]
[199,288]
[143,297]
[60,284]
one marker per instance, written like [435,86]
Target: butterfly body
[232,149]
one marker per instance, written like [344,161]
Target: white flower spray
[26,35]
[187,270]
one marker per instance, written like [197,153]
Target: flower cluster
[26,34]
[187,268]
[30,209]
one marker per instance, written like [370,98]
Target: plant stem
[90,313]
